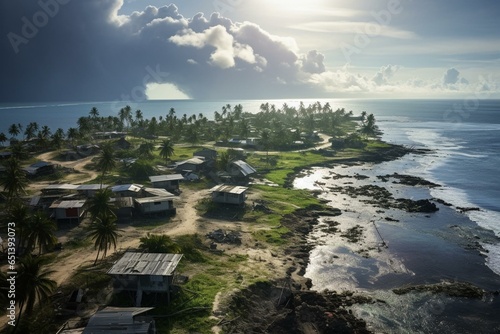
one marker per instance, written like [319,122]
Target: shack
[128,190]
[145,272]
[194,165]
[121,320]
[155,205]
[229,194]
[89,190]
[167,182]
[68,210]
[40,168]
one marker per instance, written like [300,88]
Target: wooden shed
[229,194]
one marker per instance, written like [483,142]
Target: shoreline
[466,237]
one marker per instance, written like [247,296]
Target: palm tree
[158,243]
[265,140]
[146,150]
[94,112]
[167,150]
[41,232]
[3,138]
[106,160]
[13,179]
[14,130]
[99,205]
[104,232]
[125,115]
[33,283]
[19,214]
[31,129]
[72,134]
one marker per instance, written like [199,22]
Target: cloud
[312,62]
[384,74]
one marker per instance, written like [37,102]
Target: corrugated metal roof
[245,168]
[224,188]
[156,264]
[118,320]
[91,186]
[64,186]
[68,204]
[170,177]
[158,192]
[194,161]
[127,187]
[154,199]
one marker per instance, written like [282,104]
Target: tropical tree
[33,283]
[223,160]
[41,232]
[106,160]
[159,243]
[167,150]
[104,232]
[125,115]
[14,130]
[30,130]
[72,134]
[369,127]
[265,140]
[99,205]
[19,213]
[3,138]
[145,150]
[13,179]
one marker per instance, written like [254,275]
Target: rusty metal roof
[224,188]
[154,264]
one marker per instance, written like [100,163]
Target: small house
[89,190]
[122,144]
[194,165]
[206,153]
[228,194]
[123,207]
[155,205]
[167,182]
[128,190]
[145,272]
[40,168]
[59,189]
[68,210]
[121,320]
[240,170]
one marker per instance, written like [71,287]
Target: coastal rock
[452,289]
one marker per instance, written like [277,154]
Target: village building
[145,272]
[229,194]
[89,190]
[123,207]
[68,210]
[167,182]
[156,205]
[122,144]
[206,153]
[195,164]
[40,168]
[240,170]
[87,150]
[128,190]
[59,189]
[126,320]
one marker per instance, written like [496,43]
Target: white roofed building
[229,194]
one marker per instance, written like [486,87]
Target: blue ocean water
[465,135]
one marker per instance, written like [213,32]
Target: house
[121,320]
[145,272]
[155,192]
[89,190]
[193,165]
[123,207]
[59,189]
[206,153]
[40,168]
[123,144]
[228,194]
[128,190]
[240,170]
[87,150]
[68,210]
[167,182]
[155,205]
[69,155]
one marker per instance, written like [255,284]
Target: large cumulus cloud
[85,51]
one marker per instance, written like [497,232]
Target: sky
[104,50]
